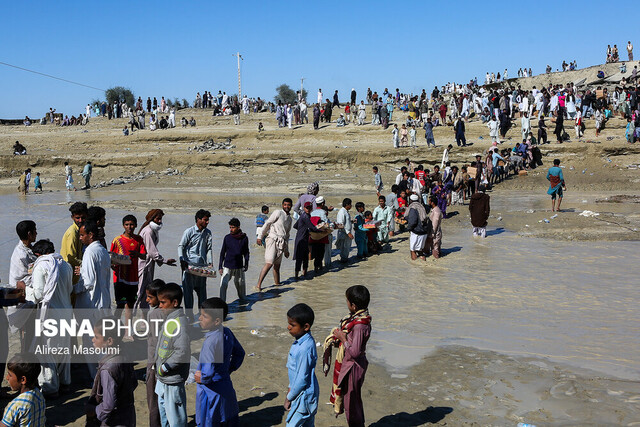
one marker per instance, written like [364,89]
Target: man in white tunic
[93,295]
[21,316]
[345,232]
[52,286]
[276,230]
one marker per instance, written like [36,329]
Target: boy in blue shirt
[302,398]
[260,220]
[221,354]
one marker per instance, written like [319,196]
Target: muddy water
[559,302]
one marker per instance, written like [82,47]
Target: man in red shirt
[125,276]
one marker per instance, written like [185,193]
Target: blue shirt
[260,219]
[495,159]
[303,384]
[216,400]
[195,247]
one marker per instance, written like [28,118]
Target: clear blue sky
[175,49]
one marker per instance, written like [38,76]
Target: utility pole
[239,79]
[301,88]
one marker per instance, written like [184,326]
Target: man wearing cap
[416,216]
[276,229]
[318,247]
[301,245]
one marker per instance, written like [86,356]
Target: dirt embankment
[283,161]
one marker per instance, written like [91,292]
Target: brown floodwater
[573,303]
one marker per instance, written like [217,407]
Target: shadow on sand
[430,415]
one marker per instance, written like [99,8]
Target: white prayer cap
[413,197]
[319,200]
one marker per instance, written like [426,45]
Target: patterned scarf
[361,317]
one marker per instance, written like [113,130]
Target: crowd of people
[613,55]
[83,273]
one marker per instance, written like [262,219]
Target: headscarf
[150,215]
[419,207]
[313,188]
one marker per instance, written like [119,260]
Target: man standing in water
[276,229]
[86,173]
[556,184]
[479,208]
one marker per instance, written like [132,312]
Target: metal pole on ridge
[239,78]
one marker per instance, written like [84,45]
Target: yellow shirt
[71,249]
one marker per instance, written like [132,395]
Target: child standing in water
[37,183]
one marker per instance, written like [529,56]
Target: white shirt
[93,287]
[344,218]
[54,293]
[493,126]
[445,157]
[19,268]
[416,187]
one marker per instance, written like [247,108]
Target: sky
[175,49]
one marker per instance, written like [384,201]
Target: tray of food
[372,224]
[201,271]
[400,220]
[119,259]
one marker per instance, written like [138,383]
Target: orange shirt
[123,245]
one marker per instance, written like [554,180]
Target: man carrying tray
[195,249]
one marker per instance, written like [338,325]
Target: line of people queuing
[80,275]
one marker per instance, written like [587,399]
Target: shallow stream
[573,303]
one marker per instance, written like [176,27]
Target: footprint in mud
[563,389]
